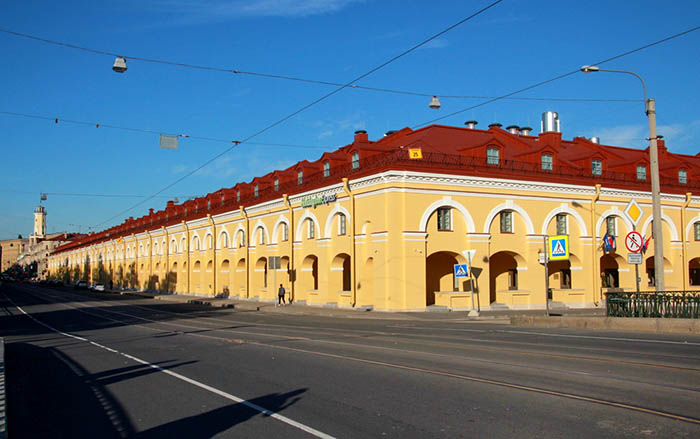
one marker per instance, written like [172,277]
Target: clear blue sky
[511,46]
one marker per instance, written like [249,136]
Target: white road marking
[216,391]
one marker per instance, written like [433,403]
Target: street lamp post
[650,110]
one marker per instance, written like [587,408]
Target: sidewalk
[499,316]
[591,319]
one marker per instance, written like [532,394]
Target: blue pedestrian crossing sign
[559,248]
[461,270]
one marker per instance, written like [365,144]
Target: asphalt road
[98,365]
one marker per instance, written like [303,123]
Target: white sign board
[634,258]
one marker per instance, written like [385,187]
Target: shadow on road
[50,395]
[208,424]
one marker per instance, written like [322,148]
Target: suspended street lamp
[435,103]
[119,64]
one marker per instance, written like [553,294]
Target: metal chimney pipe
[513,129]
[550,122]
[595,140]
[471,124]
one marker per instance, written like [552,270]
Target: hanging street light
[119,64]
[435,103]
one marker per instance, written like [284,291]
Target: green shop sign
[316,200]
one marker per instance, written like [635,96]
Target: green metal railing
[667,304]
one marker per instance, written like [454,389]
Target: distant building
[11,250]
[382,224]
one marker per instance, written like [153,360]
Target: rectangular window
[342,226]
[546,162]
[513,279]
[238,196]
[565,279]
[682,177]
[597,167]
[300,177]
[326,169]
[561,224]
[507,222]
[696,227]
[277,184]
[255,191]
[312,229]
[355,160]
[444,218]
[641,172]
[610,226]
[492,156]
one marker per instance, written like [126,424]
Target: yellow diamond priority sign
[634,212]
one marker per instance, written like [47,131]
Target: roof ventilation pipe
[595,140]
[525,131]
[550,122]
[495,125]
[471,124]
[513,129]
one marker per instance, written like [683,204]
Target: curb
[634,324]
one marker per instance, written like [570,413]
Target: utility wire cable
[556,78]
[141,130]
[307,106]
[296,79]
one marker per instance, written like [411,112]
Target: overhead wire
[307,106]
[556,78]
[303,80]
[146,131]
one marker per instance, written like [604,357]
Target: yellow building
[381,225]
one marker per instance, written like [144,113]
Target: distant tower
[39,222]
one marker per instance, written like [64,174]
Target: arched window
[196,242]
[342,224]
[210,241]
[312,229]
[224,240]
[261,231]
[285,232]
[241,240]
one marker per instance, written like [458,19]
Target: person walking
[280,295]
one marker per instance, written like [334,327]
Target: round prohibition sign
[633,242]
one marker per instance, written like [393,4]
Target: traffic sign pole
[546,274]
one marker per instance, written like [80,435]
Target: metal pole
[546,274]
[656,229]
[657,233]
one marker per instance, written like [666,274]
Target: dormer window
[546,162]
[641,172]
[255,191]
[355,160]
[238,196]
[492,156]
[326,169]
[300,177]
[682,177]
[277,184]
[596,167]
